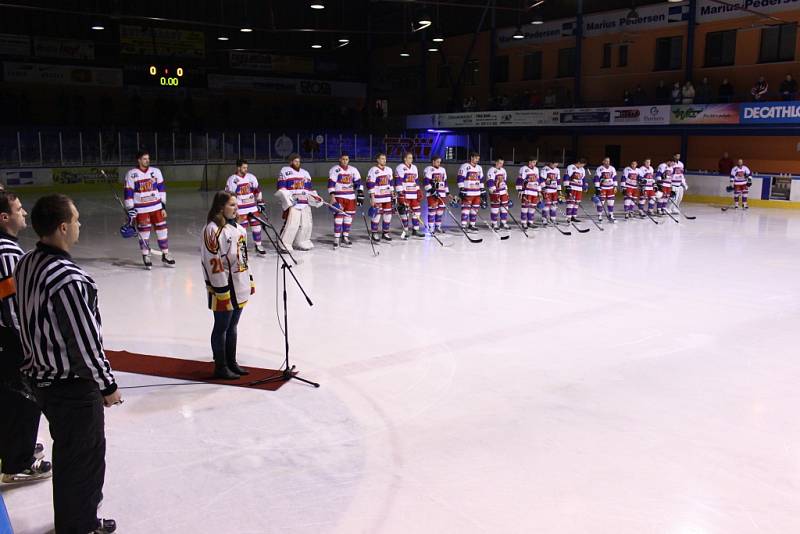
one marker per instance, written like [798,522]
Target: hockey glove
[510,203]
[402,209]
[360,197]
[462,194]
[673,194]
[729,189]
[749,182]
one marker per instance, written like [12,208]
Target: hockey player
[297,196]
[20,455]
[528,189]
[344,184]
[575,185]
[228,281]
[551,187]
[470,189]
[741,180]
[630,183]
[146,200]
[435,184]
[379,186]
[679,185]
[409,196]
[605,188]
[497,185]
[664,185]
[647,183]
[244,186]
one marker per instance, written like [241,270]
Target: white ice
[639,380]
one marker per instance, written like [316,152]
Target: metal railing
[77,148]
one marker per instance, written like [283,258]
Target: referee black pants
[74,409]
[20,415]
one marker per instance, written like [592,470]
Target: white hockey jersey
[298,184]
[435,181]
[144,190]
[630,177]
[575,178]
[406,181]
[497,181]
[648,177]
[739,175]
[224,258]
[605,177]
[247,191]
[528,181]
[664,174]
[551,179]
[379,184]
[344,182]
[470,179]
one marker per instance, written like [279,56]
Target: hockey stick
[578,228]
[428,230]
[458,225]
[591,218]
[690,217]
[671,217]
[496,233]
[375,251]
[555,223]
[518,223]
[266,224]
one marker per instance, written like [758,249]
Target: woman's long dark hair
[217,205]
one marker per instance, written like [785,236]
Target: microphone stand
[288,372]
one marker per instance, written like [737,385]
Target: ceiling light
[518,33]
[433,48]
[246,30]
[316,46]
[405,53]
[438,38]
[632,15]
[540,2]
[538,20]
[317,5]
[424,19]
[222,38]
[98,27]
[344,40]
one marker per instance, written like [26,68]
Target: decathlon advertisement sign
[771,112]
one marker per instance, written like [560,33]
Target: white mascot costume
[296,197]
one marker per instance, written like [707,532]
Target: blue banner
[770,113]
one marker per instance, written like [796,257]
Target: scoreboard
[165,76]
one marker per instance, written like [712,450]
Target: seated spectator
[662,93]
[687,93]
[627,98]
[759,90]
[676,95]
[725,92]
[639,96]
[703,92]
[725,165]
[789,88]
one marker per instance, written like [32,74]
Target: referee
[20,455]
[63,345]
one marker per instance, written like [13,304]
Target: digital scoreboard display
[166,76]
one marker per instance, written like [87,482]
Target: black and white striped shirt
[10,252]
[60,320]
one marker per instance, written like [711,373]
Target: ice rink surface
[639,380]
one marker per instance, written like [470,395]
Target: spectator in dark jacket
[789,88]
[639,96]
[726,91]
[725,165]
[662,93]
[703,92]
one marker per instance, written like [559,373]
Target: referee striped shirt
[59,320]
[10,252]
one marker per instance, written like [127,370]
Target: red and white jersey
[379,183]
[630,177]
[298,183]
[605,177]
[406,181]
[678,174]
[648,176]
[470,179]
[528,181]
[574,178]
[224,259]
[551,179]
[497,181]
[344,182]
[435,181]
[739,175]
[144,190]
[247,191]
[664,174]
